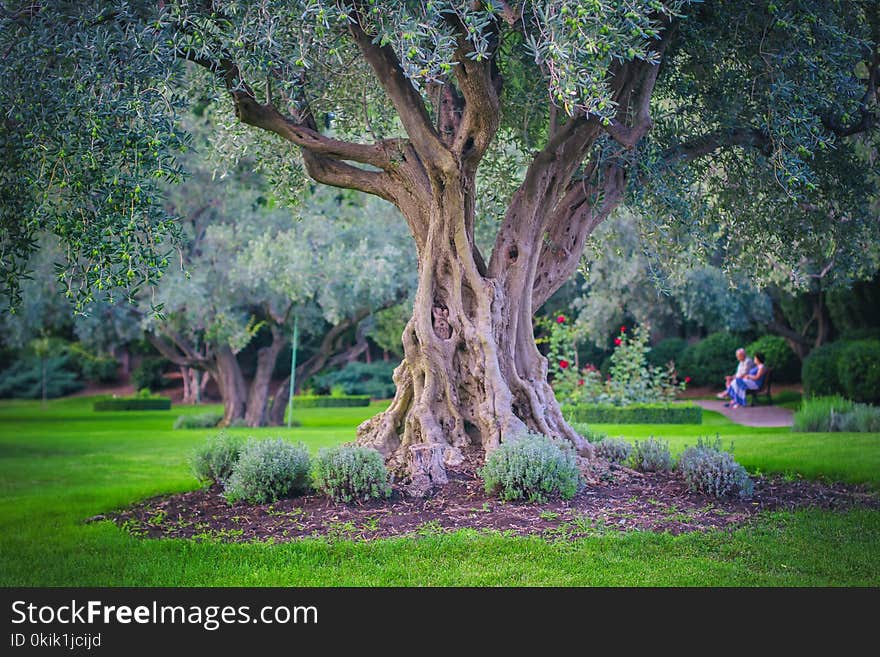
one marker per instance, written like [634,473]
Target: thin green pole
[292,370]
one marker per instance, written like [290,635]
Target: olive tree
[597,99]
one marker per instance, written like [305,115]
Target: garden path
[751,416]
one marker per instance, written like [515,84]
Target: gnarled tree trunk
[471,374]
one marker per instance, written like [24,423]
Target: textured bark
[191,385]
[232,386]
[471,374]
[258,395]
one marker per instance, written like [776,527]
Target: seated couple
[749,376]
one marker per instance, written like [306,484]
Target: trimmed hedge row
[133,404]
[634,414]
[321,401]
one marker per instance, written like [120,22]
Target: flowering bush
[632,378]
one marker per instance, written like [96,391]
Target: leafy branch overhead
[90,125]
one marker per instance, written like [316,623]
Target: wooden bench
[763,390]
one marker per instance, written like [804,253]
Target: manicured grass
[65,464]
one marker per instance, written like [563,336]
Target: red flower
[560,319]
[623,329]
[563,364]
[687,379]
[617,341]
[580,382]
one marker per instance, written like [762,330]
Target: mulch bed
[615,499]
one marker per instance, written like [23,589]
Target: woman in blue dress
[750,381]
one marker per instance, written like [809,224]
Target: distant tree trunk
[799,341]
[258,395]
[187,393]
[191,385]
[125,361]
[232,385]
[331,352]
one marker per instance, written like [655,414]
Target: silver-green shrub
[212,462]
[615,450]
[348,473]
[199,421]
[651,455]
[268,470]
[862,418]
[710,470]
[532,467]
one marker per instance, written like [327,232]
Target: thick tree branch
[628,135]
[179,351]
[325,158]
[711,143]
[584,206]
[406,100]
[381,155]
[480,85]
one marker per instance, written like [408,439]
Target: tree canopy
[748,93]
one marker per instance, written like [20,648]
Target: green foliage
[634,414]
[150,373]
[784,362]
[531,467]
[863,418]
[632,380]
[616,450]
[589,434]
[858,369]
[357,378]
[708,361]
[388,325]
[651,455]
[102,369]
[817,413]
[856,308]
[201,421]
[138,403]
[819,370]
[267,470]
[667,351]
[326,401]
[214,460]
[708,469]
[349,473]
[24,380]
[836,414]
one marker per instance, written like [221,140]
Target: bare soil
[615,499]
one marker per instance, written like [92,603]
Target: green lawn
[64,464]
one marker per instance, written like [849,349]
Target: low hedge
[322,401]
[634,414]
[133,404]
